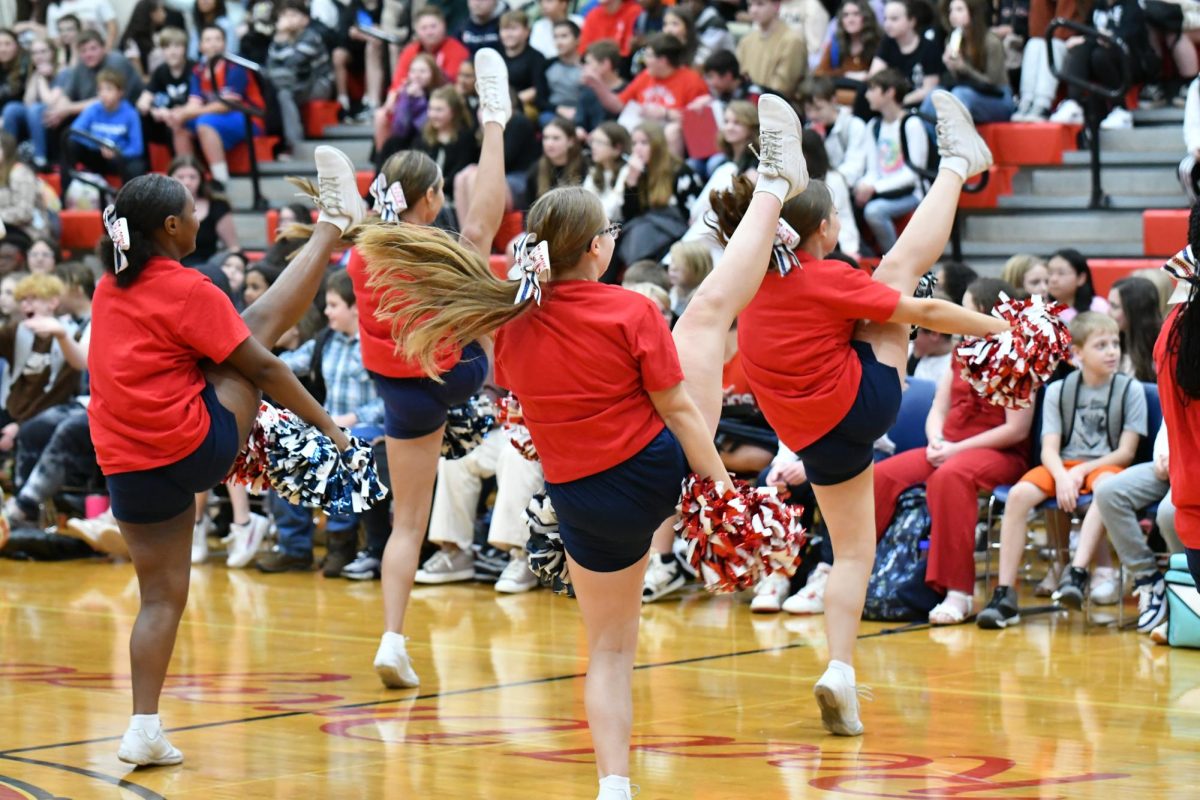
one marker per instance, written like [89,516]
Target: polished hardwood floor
[272,696]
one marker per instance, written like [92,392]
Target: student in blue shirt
[112,118]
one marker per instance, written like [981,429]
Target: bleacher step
[1077,180]
[344,131]
[1120,158]
[976,250]
[1157,138]
[1033,202]
[1168,115]
[1095,227]
[358,150]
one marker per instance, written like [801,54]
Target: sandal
[954,610]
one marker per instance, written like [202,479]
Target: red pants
[952,492]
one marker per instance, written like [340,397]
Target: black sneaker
[1152,95]
[1001,611]
[1072,588]
[278,561]
[1151,592]
[1180,99]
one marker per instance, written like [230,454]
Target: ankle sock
[220,172]
[843,668]
[396,641]
[149,724]
[955,164]
[773,186]
[618,782]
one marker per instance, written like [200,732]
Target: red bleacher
[1107,271]
[80,230]
[1164,231]
[239,157]
[318,115]
[1029,143]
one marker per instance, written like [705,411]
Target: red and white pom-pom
[513,421]
[250,466]
[737,536]
[1008,368]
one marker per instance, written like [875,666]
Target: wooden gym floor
[272,695]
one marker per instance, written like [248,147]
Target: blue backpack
[897,589]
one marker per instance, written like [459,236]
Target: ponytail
[145,203]
[805,212]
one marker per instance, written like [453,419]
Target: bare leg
[414,469]
[239,501]
[664,538]
[341,70]
[1013,528]
[483,218]
[201,505]
[374,68]
[849,511]
[464,185]
[611,604]
[211,146]
[182,139]
[383,127]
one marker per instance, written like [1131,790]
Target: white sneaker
[959,144]
[1106,591]
[339,200]
[491,84]
[517,577]
[393,664]
[200,531]
[781,167]
[838,700]
[1160,635]
[614,787]
[663,576]
[102,534]
[1068,113]
[1117,120]
[246,540]
[447,566]
[810,599]
[770,593]
[137,747]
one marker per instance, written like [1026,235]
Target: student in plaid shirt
[333,360]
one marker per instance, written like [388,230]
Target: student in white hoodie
[847,142]
[1189,167]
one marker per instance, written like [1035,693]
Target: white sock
[845,669]
[618,782]
[396,641]
[779,187]
[150,724]
[220,172]
[344,102]
[955,164]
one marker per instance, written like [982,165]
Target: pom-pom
[304,466]
[512,419]
[1008,368]
[547,557]
[466,425]
[735,537]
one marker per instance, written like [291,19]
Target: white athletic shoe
[837,698]
[770,593]
[491,84]
[447,566]
[392,663]
[615,787]
[246,540]
[1106,589]
[517,577]
[810,599]
[102,534]
[781,167]
[959,144]
[339,201]
[200,531]
[663,576]
[137,747]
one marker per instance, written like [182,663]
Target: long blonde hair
[746,113]
[438,293]
[657,184]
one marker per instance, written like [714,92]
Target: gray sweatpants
[1119,500]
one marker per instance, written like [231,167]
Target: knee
[1022,498]
[1107,496]
[875,213]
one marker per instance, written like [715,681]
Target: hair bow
[118,230]
[1182,266]
[784,249]
[389,198]
[532,259]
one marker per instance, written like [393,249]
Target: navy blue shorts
[607,520]
[156,495]
[416,407]
[849,448]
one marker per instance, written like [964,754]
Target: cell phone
[955,43]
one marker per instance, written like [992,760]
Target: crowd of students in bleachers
[646,104]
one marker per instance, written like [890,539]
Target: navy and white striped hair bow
[784,249]
[1182,266]
[117,229]
[389,199]
[532,259]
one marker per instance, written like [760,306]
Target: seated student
[1070,283]
[848,55]
[168,88]
[79,87]
[482,28]
[690,264]
[298,67]
[737,140]
[712,32]
[1092,421]
[931,355]
[526,66]
[723,74]
[217,230]
[42,256]
[87,16]
[1028,274]
[610,147]
[216,127]
[772,55]
[564,73]
[974,60]
[905,50]
[655,177]
[847,142]
[663,89]
[601,71]
[953,280]
[429,28]
[448,136]
[561,164]
[1189,167]
[817,157]
[112,119]
[651,272]
[542,36]
[810,21]
[23,115]
[889,189]
[411,107]
[1133,303]
[333,361]
[611,19]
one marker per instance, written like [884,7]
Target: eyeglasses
[613,230]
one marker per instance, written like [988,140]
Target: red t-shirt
[582,365]
[147,342]
[1183,440]
[970,412]
[378,347]
[601,24]
[675,92]
[450,55]
[735,388]
[794,339]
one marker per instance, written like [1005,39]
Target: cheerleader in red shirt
[829,384]
[409,191]
[1177,355]
[176,375]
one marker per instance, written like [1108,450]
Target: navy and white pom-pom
[1008,368]
[304,466]
[466,425]
[547,556]
[736,537]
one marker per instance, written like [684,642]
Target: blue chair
[909,431]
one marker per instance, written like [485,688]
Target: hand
[1002,31]
[945,451]
[933,452]
[358,35]
[53,117]
[348,420]
[703,101]
[566,112]
[863,193]
[340,440]
[413,89]
[1075,41]
[108,153]
[589,76]
[954,63]
[654,112]
[8,436]
[1162,467]
[1066,492]
[791,473]
[1078,474]
[45,326]
[635,167]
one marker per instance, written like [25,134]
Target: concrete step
[1124,158]
[358,150]
[251,229]
[979,252]
[1162,138]
[1050,227]
[1077,180]
[276,190]
[1033,202]
[344,131]
[1158,116]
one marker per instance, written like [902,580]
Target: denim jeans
[26,123]
[880,215]
[983,107]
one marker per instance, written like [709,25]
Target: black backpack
[897,589]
